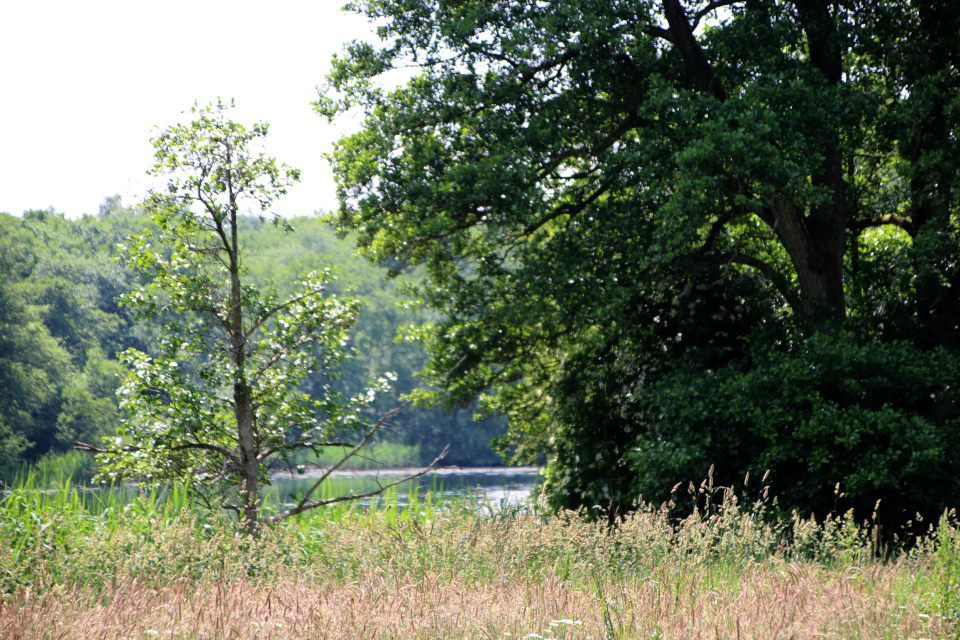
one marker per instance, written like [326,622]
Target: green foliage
[567,171]
[605,395]
[60,327]
[275,258]
[52,399]
[221,400]
[829,411]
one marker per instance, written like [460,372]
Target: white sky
[83,84]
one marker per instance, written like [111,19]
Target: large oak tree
[618,199]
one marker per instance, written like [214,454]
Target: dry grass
[146,573]
[775,600]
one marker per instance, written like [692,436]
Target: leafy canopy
[626,203]
[221,402]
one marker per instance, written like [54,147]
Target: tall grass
[51,469]
[161,566]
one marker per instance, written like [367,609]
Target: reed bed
[161,567]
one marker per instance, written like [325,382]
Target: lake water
[499,486]
[495,486]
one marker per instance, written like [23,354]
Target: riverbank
[167,568]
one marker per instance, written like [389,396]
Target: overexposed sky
[84,84]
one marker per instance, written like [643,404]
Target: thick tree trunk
[821,256]
[815,247]
[691,51]
[815,240]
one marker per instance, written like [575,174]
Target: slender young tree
[221,401]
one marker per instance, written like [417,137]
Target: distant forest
[61,327]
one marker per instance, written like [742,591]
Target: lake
[498,486]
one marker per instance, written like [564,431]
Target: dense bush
[831,422]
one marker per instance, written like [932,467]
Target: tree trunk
[815,241]
[819,257]
[815,247]
[250,470]
[242,397]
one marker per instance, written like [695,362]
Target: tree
[29,361]
[220,402]
[279,257]
[58,320]
[600,189]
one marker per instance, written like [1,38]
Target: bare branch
[306,505]
[269,314]
[89,448]
[713,6]
[878,221]
[360,445]
[302,445]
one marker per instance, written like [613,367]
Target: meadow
[154,564]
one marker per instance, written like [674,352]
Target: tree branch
[878,221]
[774,276]
[89,448]
[280,307]
[625,125]
[306,505]
[691,50]
[571,209]
[278,355]
[823,41]
[659,32]
[713,6]
[715,230]
[360,445]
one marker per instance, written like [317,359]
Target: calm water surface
[497,485]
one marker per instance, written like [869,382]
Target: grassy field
[76,566]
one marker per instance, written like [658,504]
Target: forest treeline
[61,327]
